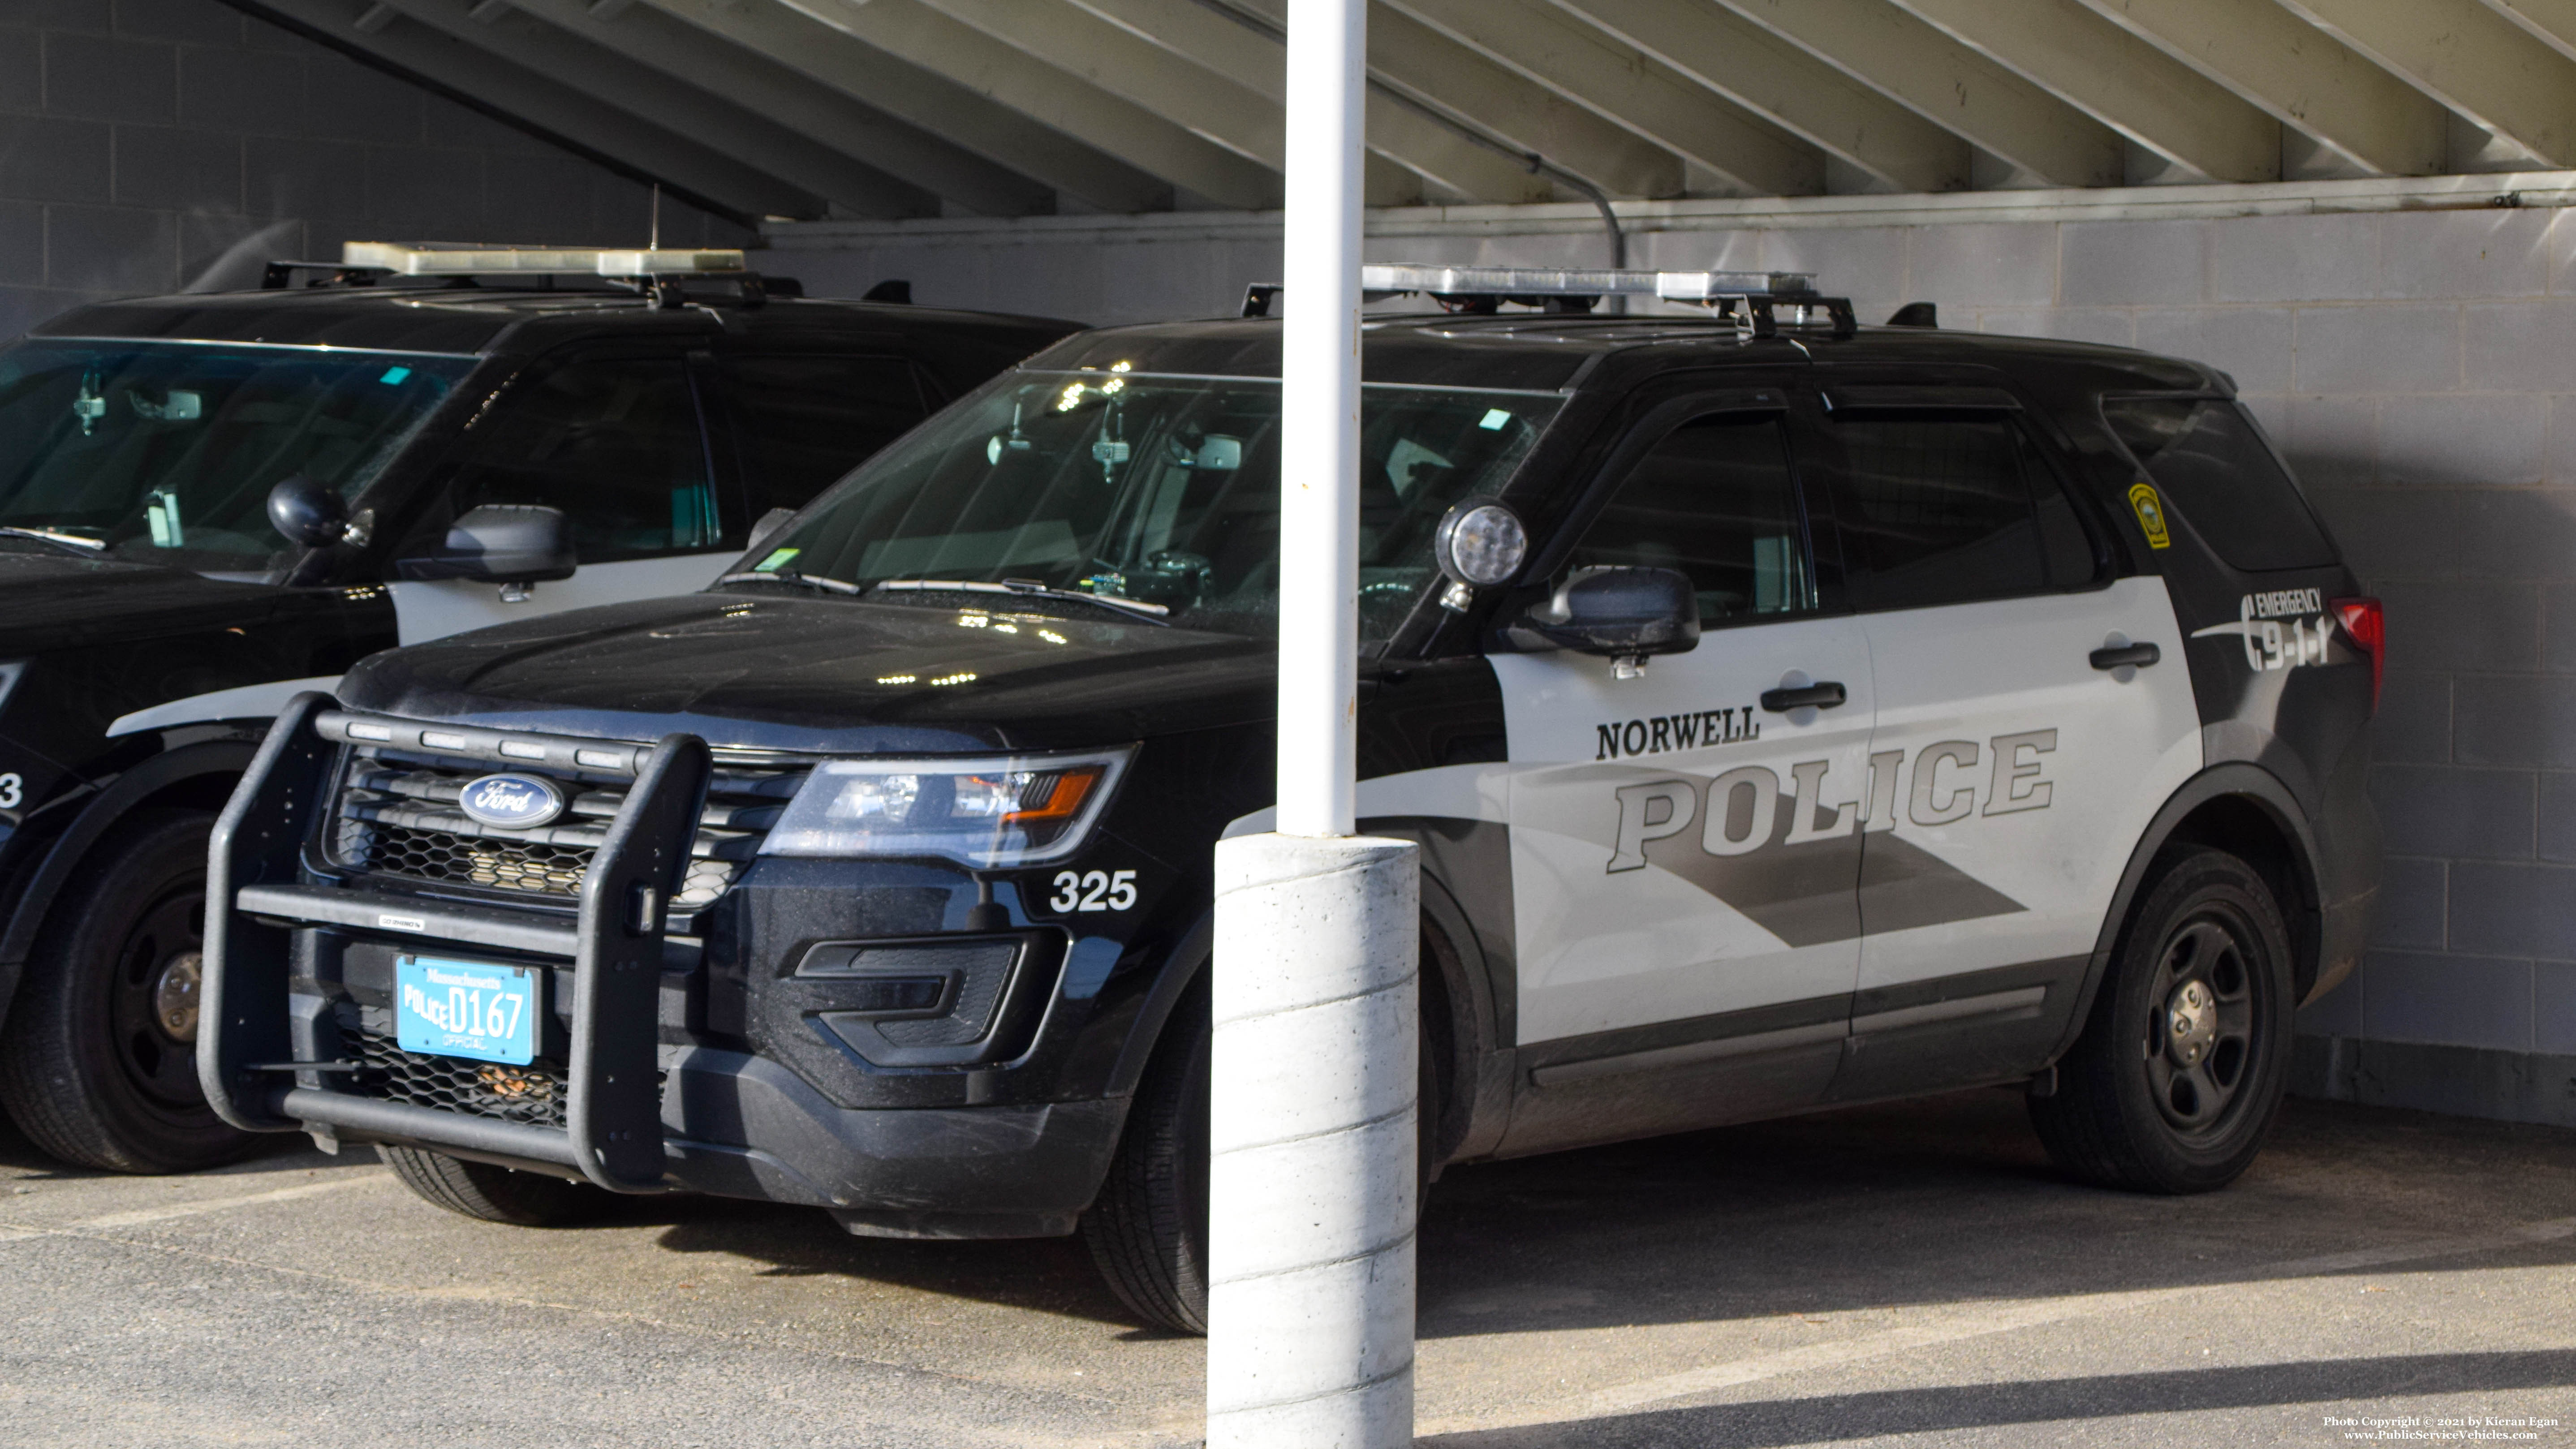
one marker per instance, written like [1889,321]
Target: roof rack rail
[1754,300]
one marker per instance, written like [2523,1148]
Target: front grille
[534,1094]
[397,816]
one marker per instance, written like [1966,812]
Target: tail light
[2367,627]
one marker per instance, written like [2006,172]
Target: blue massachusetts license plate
[466,1009]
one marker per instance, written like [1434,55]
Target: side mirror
[1626,613]
[500,543]
[767,528]
[306,512]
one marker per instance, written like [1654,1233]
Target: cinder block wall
[2419,367]
[154,145]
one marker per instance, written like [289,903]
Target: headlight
[996,811]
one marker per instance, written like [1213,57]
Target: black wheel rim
[154,1047]
[2206,1009]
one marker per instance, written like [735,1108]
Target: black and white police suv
[1789,714]
[210,503]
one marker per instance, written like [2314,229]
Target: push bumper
[719,1121]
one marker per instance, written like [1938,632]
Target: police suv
[1789,714]
[210,503]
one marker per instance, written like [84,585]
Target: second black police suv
[1789,714]
[209,503]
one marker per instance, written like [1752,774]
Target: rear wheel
[2181,1069]
[99,1063]
[494,1194]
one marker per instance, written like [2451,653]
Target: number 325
[1093,890]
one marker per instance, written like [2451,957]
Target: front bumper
[626,1095]
[741,1126]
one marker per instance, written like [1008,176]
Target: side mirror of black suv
[1622,611]
[500,543]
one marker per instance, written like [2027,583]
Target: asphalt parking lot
[1907,1274]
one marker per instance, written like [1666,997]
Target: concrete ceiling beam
[1765,74]
[1624,85]
[1950,85]
[2299,75]
[2469,58]
[867,75]
[929,38]
[830,118]
[1422,67]
[611,79]
[2118,80]
[1248,50]
[642,146]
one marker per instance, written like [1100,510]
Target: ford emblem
[513,802]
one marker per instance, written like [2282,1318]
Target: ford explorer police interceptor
[209,503]
[1789,714]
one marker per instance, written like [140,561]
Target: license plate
[468,1009]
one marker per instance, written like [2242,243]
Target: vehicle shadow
[1044,1275]
[1942,1200]
[2048,1401]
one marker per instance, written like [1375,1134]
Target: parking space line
[1979,1322]
[140,1216]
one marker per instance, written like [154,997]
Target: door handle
[2130,656]
[1812,696]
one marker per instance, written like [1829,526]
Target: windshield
[1158,489]
[166,452]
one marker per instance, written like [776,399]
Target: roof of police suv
[1552,351]
[464,321]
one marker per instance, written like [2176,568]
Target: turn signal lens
[2367,626]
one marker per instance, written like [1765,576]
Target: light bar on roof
[1582,282]
[448,259]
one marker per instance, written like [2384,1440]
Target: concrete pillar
[1311,1183]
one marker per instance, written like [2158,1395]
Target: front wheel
[2182,1065]
[493,1194]
[1148,1229]
[99,1063]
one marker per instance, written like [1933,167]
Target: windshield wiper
[790,576]
[1027,588]
[91,547]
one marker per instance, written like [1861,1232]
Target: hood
[51,600]
[827,675]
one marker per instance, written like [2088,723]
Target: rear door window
[803,421]
[1939,507]
[2220,477]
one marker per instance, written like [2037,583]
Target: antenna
[653,238]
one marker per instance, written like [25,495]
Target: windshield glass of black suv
[165,452]
[1158,489]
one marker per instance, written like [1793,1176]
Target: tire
[1148,1229]
[2179,1074]
[98,1065]
[494,1194]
